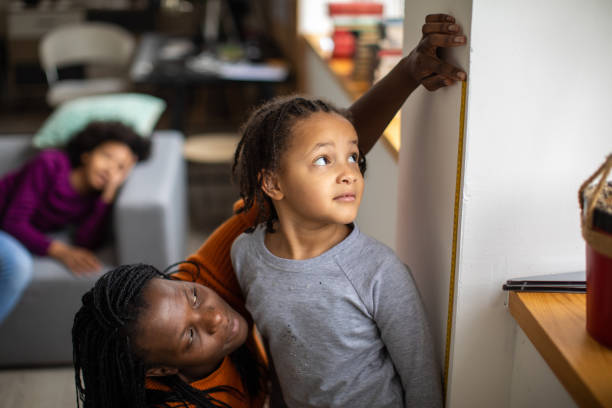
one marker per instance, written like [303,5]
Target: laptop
[568,282]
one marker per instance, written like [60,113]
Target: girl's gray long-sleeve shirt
[345,329]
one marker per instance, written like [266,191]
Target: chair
[93,45]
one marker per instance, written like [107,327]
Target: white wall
[538,123]
[534,385]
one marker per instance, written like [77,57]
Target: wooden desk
[556,325]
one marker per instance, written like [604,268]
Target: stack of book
[357,32]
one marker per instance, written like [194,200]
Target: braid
[107,371]
[265,136]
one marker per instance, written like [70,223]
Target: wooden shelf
[341,68]
[556,325]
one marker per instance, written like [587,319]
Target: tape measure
[451,290]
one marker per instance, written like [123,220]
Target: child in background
[60,187]
[340,312]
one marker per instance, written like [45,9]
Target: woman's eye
[191,333]
[321,161]
[195,296]
[353,158]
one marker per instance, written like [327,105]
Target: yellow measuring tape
[451,290]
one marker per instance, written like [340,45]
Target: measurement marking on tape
[451,290]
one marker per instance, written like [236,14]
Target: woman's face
[187,327]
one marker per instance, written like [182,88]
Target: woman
[143,340]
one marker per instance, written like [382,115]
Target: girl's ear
[161,371]
[270,185]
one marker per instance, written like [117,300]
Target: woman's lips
[347,198]
[232,329]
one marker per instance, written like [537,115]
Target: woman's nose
[211,318]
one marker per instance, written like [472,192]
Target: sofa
[149,224]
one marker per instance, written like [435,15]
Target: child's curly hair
[98,132]
[265,137]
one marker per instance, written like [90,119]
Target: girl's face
[109,162]
[187,329]
[319,181]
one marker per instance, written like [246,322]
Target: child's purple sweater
[38,198]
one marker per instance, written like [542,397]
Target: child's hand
[115,181]
[424,65]
[78,260]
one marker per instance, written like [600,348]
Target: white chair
[91,45]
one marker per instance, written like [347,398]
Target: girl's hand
[424,65]
[78,260]
[115,181]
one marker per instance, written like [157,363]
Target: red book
[370,8]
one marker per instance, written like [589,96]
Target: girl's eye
[321,161]
[353,158]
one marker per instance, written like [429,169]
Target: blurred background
[210,60]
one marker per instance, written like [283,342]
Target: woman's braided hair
[109,369]
[265,136]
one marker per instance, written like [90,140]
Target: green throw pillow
[139,111]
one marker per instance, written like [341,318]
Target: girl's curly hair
[265,137]
[98,132]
